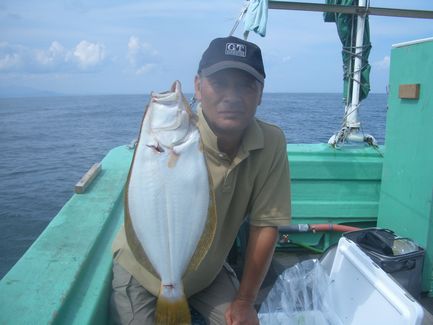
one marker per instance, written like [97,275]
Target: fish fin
[208,234]
[172,312]
[131,237]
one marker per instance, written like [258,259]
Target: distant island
[17,91]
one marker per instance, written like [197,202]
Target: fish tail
[171,311]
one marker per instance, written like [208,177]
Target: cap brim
[232,65]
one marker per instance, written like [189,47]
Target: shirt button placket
[228,180]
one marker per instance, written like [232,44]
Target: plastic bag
[299,296]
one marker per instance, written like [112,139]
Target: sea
[48,143]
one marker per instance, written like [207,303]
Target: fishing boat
[65,276]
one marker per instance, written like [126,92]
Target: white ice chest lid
[362,293]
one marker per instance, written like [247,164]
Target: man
[248,164]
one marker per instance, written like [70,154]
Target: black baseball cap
[232,52]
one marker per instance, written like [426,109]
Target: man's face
[229,99]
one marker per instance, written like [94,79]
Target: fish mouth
[169,286]
[156,148]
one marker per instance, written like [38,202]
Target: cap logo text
[236,49]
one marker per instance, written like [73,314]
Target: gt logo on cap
[236,49]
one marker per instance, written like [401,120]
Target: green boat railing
[65,276]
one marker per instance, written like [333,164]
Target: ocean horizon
[48,143]
[35,93]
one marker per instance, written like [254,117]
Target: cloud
[142,57]
[55,55]
[9,61]
[13,57]
[383,64]
[86,56]
[89,54]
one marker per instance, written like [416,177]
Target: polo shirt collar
[252,140]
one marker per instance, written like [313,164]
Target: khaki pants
[132,304]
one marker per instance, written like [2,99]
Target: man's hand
[241,312]
[260,248]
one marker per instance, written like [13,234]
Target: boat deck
[75,249]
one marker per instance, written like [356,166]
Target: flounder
[170,216]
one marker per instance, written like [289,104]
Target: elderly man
[248,164]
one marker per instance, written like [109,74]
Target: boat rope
[242,14]
[349,74]
[351,50]
[192,101]
[377,148]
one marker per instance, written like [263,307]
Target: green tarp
[346,27]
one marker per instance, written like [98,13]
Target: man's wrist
[248,299]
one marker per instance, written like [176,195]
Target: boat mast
[351,117]
[351,125]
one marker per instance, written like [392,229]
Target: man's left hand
[260,248]
[241,312]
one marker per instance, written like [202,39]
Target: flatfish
[170,215]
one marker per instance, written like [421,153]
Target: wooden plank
[88,177]
[410,91]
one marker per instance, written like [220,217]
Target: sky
[135,47]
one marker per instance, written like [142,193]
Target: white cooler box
[359,293]
[362,293]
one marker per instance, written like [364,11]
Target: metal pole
[352,114]
[354,10]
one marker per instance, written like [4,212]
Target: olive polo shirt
[255,185]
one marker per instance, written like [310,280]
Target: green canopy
[346,27]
